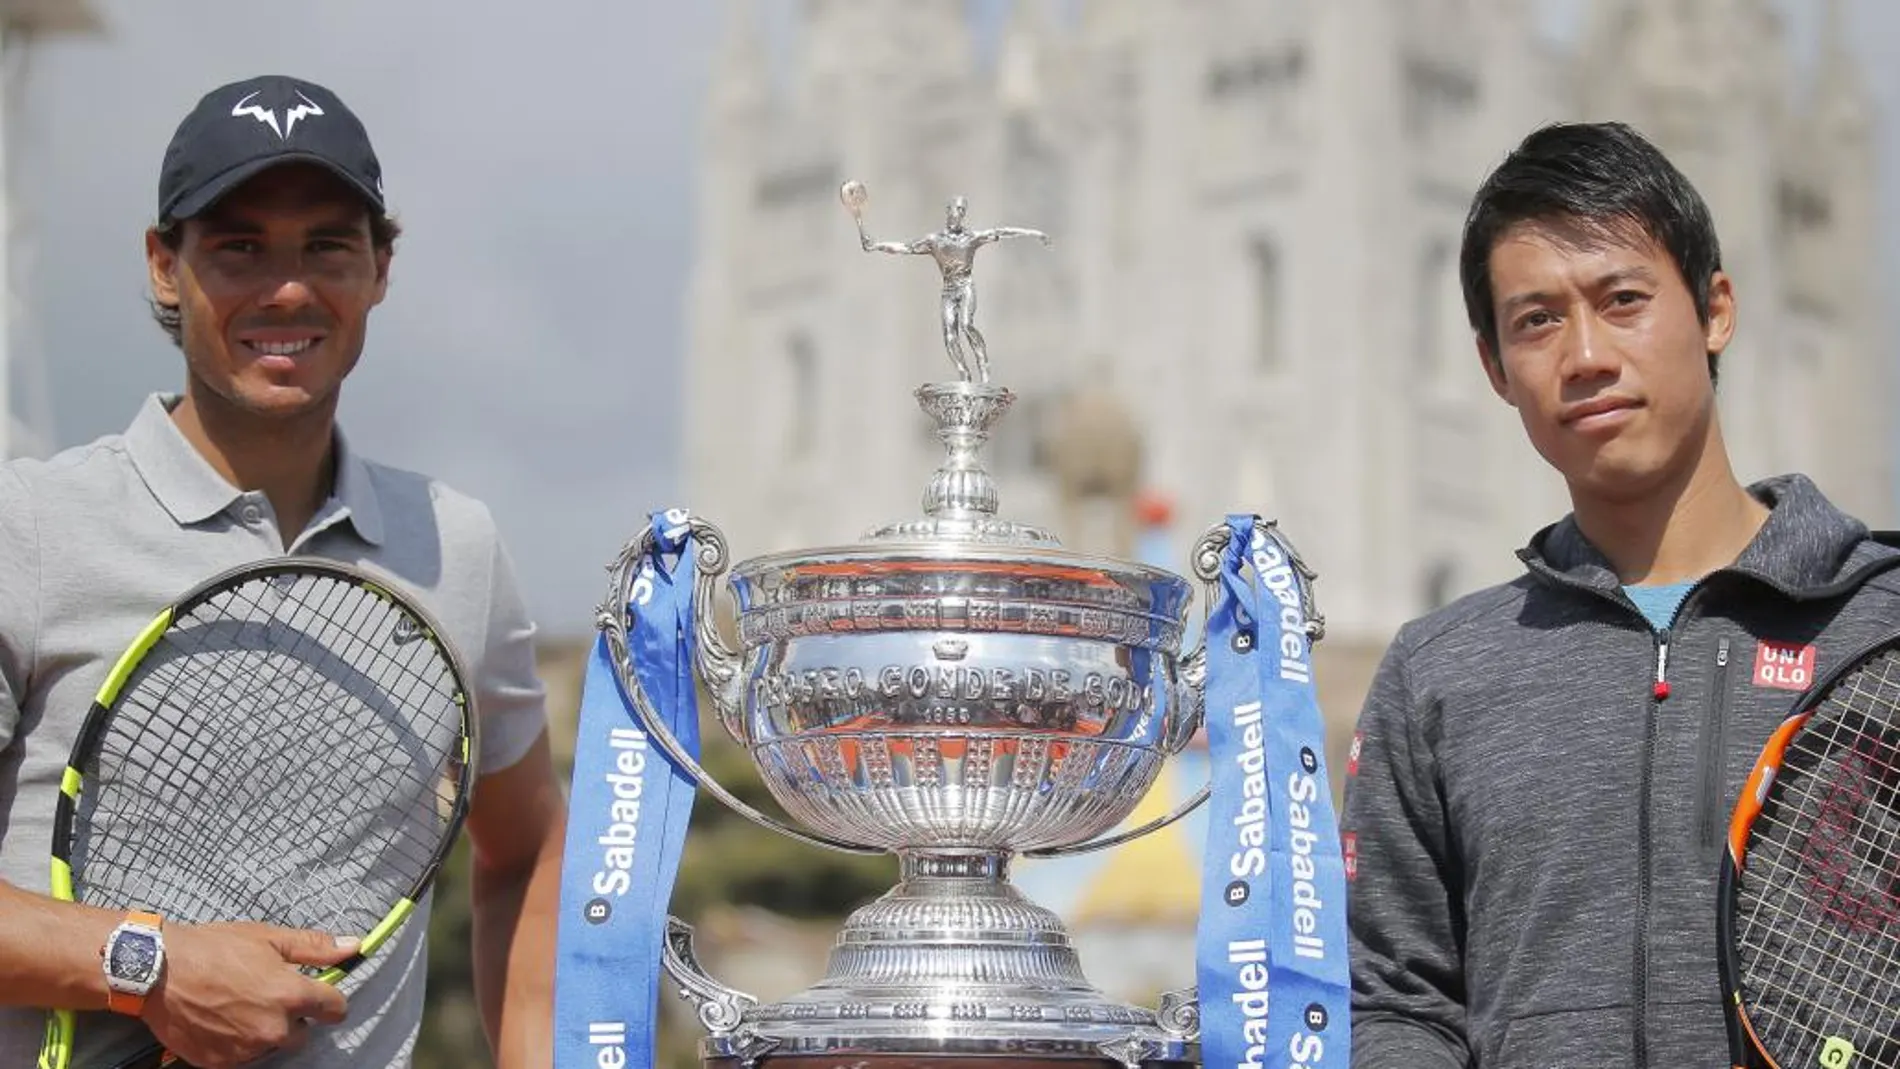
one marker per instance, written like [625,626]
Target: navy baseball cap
[247,127]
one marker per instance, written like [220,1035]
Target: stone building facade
[1256,208]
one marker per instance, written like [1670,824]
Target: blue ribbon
[1273,888]
[628,808]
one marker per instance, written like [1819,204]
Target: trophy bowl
[934,696]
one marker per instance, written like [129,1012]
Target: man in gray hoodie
[1544,770]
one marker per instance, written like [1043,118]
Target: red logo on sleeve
[1349,851]
[1784,665]
[1352,755]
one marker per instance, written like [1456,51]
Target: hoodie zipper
[1661,689]
[1714,749]
[1659,693]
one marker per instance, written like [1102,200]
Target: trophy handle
[720,670]
[1180,1013]
[718,664]
[1207,568]
[721,1009]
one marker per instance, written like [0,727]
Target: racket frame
[1746,1050]
[61,1024]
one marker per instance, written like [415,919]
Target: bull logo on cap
[268,116]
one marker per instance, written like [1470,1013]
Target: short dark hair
[1604,177]
[383,232]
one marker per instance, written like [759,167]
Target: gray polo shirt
[94,541]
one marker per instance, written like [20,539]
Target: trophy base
[952,967]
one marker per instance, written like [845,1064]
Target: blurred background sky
[542,159]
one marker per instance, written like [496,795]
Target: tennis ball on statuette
[854,196]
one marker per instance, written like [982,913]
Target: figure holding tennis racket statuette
[954,248]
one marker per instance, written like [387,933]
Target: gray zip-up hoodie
[1542,783]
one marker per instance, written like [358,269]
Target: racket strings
[146,798]
[197,856]
[274,751]
[384,765]
[1824,966]
[1835,848]
[267,752]
[284,756]
[1817,918]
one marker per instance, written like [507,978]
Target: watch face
[134,957]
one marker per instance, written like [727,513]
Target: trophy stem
[961,489]
[917,865]
[960,504]
[980,928]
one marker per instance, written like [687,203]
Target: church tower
[1836,390]
[1706,81]
[1271,196]
[739,111]
[806,349]
[1788,177]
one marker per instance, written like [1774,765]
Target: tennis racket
[1810,893]
[291,742]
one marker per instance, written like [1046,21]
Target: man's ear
[1493,369]
[1721,312]
[161,263]
[383,256]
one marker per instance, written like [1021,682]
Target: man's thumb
[302,946]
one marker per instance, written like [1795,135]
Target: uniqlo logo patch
[1349,852]
[1784,665]
[1352,755]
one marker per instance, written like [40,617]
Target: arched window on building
[1441,334]
[1269,305]
[802,399]
[1439,577]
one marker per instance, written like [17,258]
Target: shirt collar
[192,491]
[356,492]
[183,481]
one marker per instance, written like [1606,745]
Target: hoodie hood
[1806,549]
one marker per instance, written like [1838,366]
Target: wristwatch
[134,956]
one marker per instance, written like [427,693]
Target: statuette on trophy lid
[954,248]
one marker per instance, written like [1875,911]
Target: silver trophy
[958,690]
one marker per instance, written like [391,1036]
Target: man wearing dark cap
[271,246]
